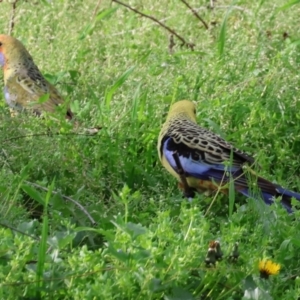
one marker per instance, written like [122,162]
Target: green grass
[116,70]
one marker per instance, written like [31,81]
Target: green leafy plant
[97,217]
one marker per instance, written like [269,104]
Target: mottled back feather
[203,143]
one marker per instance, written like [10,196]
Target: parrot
[24,84]
[207,162]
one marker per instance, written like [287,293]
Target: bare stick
[12,18]
[184,42]
[195,14]
[187,190]
[17,230]
[47,135]
[171,44]
[96,8]
[67,198]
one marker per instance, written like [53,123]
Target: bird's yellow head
[12,51]
[184,108]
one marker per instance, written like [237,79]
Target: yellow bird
[23,81]
[207,161]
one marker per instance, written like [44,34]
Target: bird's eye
[1,44]
[195,111]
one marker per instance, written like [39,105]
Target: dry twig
[184,42]
[171,44]
[67,198]
[195,14]
[96,9]
[17,230]
[12,18]
[47,135]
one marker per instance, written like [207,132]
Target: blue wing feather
[201,169]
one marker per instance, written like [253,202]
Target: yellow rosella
[208,161]
[24,85]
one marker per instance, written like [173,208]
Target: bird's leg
[187,191]
[191,193]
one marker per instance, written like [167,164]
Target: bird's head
[12,51]
[13,55]
[185,108]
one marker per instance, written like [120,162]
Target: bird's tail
[286,196]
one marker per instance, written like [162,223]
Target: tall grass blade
[43,242]
[120,81]
[231,188]
[289,4]
[106,13]
[222,37]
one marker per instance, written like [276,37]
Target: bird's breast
[11,99]
[2,60]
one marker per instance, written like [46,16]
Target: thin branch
[12,18]
[195,14]
[171,44]
[184,42]
[48,135]
[188,192]
[96,8]
[17,230]
[94,223]
[167,18]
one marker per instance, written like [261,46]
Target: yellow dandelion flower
[267,268]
